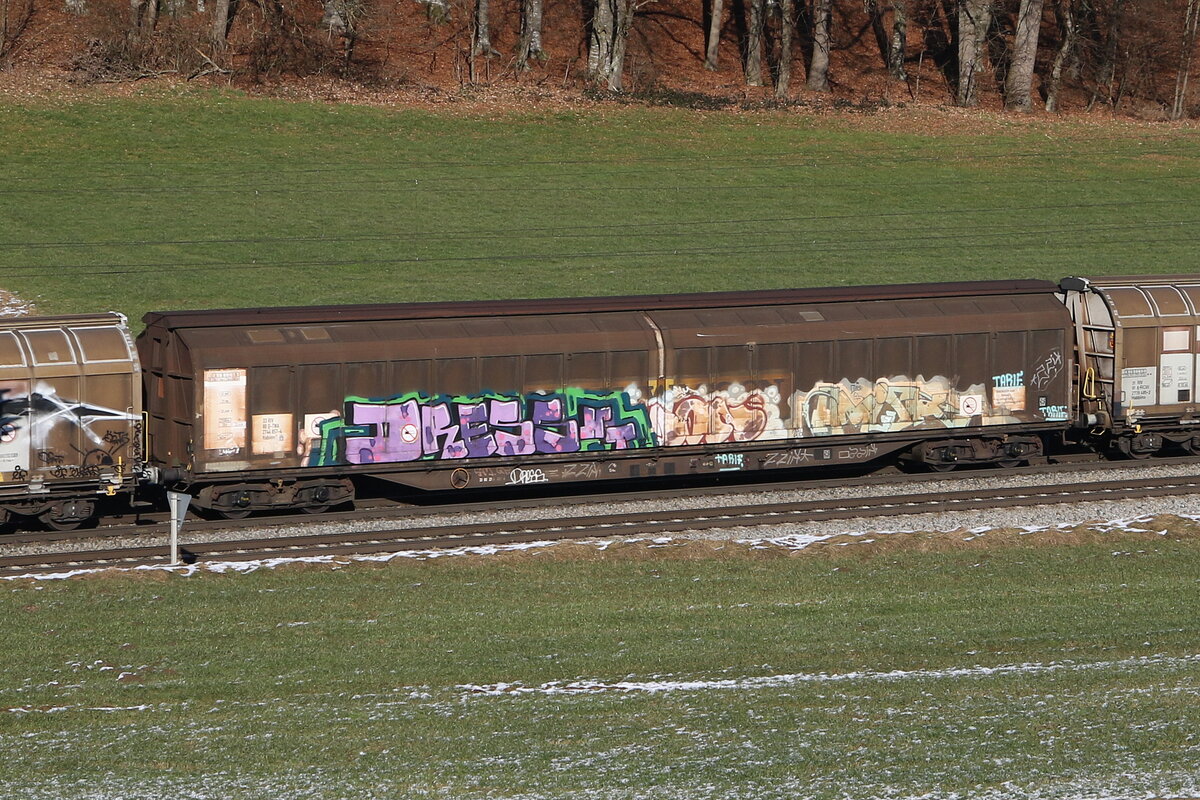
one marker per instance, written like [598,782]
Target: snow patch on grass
[583,686]
[788,542]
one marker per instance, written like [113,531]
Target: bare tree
[600,36]
[482,44]
[1106,72]
[1018,84]
[754,43]
[714,35]
[899,39]
[529,46]
[1187,48]
[223,14]
[14,19]
[891,46]
[607,42]
[143,16]
[974,19]
[783,75]
[818,68]
[1069,29]
[875,15]
[340,20]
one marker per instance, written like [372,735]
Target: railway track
[155,523]
[644,524]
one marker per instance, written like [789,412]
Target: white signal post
[179,502]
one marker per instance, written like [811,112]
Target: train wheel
[319,499]
[1139,447]
[232,513]
[1010,463]
[68,515]
[941,467]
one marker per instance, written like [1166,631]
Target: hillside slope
[1106,57]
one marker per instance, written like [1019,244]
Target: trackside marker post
[178,501]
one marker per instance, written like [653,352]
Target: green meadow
[198,199]
[1017,672]
[1014,671]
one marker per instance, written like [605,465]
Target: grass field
[211,199]
[1023,671]
[1031,672]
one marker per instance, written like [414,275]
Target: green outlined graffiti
[417,427]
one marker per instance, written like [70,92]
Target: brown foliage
[1124,57]
[15,16]
[268,38]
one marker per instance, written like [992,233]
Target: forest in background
[1134,57]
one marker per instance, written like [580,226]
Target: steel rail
[375,508]
[636,524]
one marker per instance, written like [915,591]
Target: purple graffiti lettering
[554,433]
[395,436]
[556,440]
[595,420]
[509,444]
[513,437]
[504,412]
[416,427]
[473,418]
[621,436]
[439,433]
[546,411]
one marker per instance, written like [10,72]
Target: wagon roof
[576,305]
[103,317]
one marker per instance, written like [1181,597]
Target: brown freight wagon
[1139,356]
[268,408]
[71,422]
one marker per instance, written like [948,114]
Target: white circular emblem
[7,433]
[969,405]
[409,433]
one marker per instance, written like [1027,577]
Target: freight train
[292,408]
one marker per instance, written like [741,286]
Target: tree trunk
[875,15]
[1187,47]
[1107,71]
[1018,84]
[714,35]
[483,35]
[611,21]
[899,40]
[600,41]
[624,18]
[754,40]
[530,44]
[151,21]
[340,19]
[16,18]
[818,69]
[974,19]
[333,20]
[787,23]
[1065,10]
[223,14]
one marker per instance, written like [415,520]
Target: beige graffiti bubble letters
[890,404]
[682,415]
